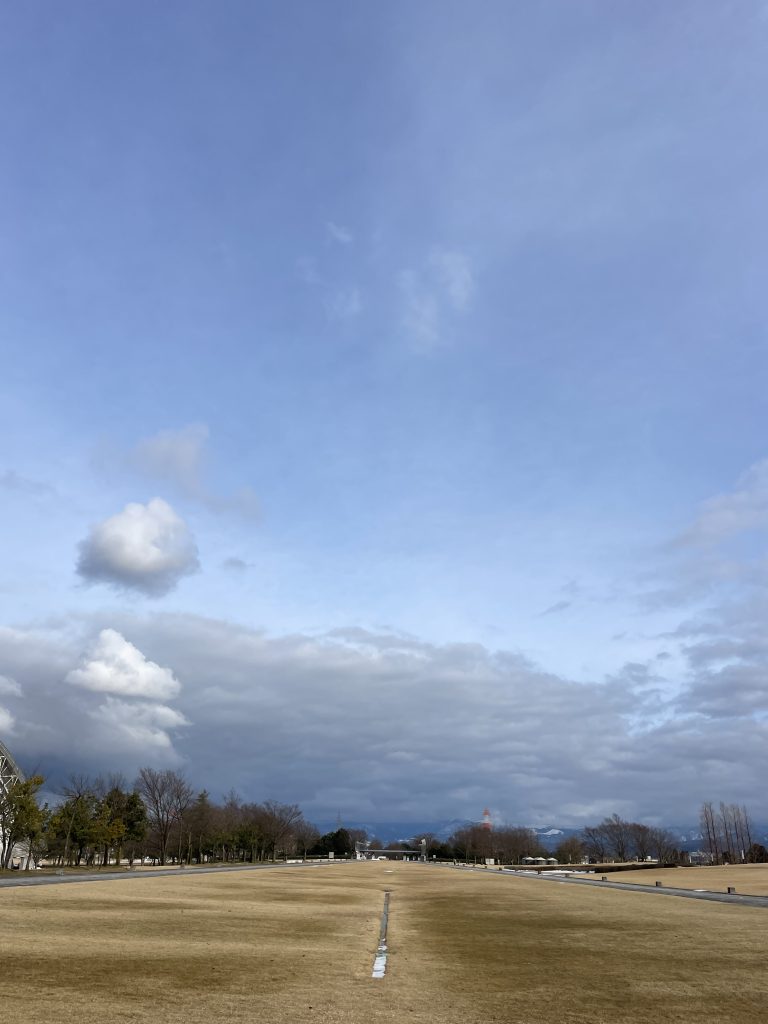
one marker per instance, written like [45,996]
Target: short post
[658,885]
[604,878]
[731,888]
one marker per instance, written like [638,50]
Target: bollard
[604,878]
[731,888]
[658,885]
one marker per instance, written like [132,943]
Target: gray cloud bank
[380,725]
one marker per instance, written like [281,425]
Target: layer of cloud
[234,564]
[403,728]
[339,233]
[341,300]
[176,456]
[745,508]
[180,458]
[558,606]
[718,570]
[344,304]
[421,310]
[9,687]
[107,719]
[12,481]
[113,665]
[434,294]
[148,548]
[139,726]
[724,550]
[453,274]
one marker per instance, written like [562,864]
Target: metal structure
[364,851]
[10,773]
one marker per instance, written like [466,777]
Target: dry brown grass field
[748,879]
[297,945]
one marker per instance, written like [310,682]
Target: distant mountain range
[688,836]
[402,831]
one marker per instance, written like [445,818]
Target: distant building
[700,857]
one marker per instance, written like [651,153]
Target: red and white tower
[487,820]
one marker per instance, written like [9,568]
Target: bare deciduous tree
[166,795]
[277,822]
[595,843]
[570,850]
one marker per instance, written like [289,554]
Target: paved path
[35,878]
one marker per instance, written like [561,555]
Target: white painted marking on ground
[379,965]
[380,962]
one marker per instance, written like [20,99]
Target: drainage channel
[380,963]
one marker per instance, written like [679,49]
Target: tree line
[160,818]
[614,839]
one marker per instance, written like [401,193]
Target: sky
[382,406]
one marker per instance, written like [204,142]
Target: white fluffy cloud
[113,665]
[110,709]
[144,726]
[145,547]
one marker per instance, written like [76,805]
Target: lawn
[297,945]
[748,879]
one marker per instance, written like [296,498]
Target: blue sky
[402,331]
